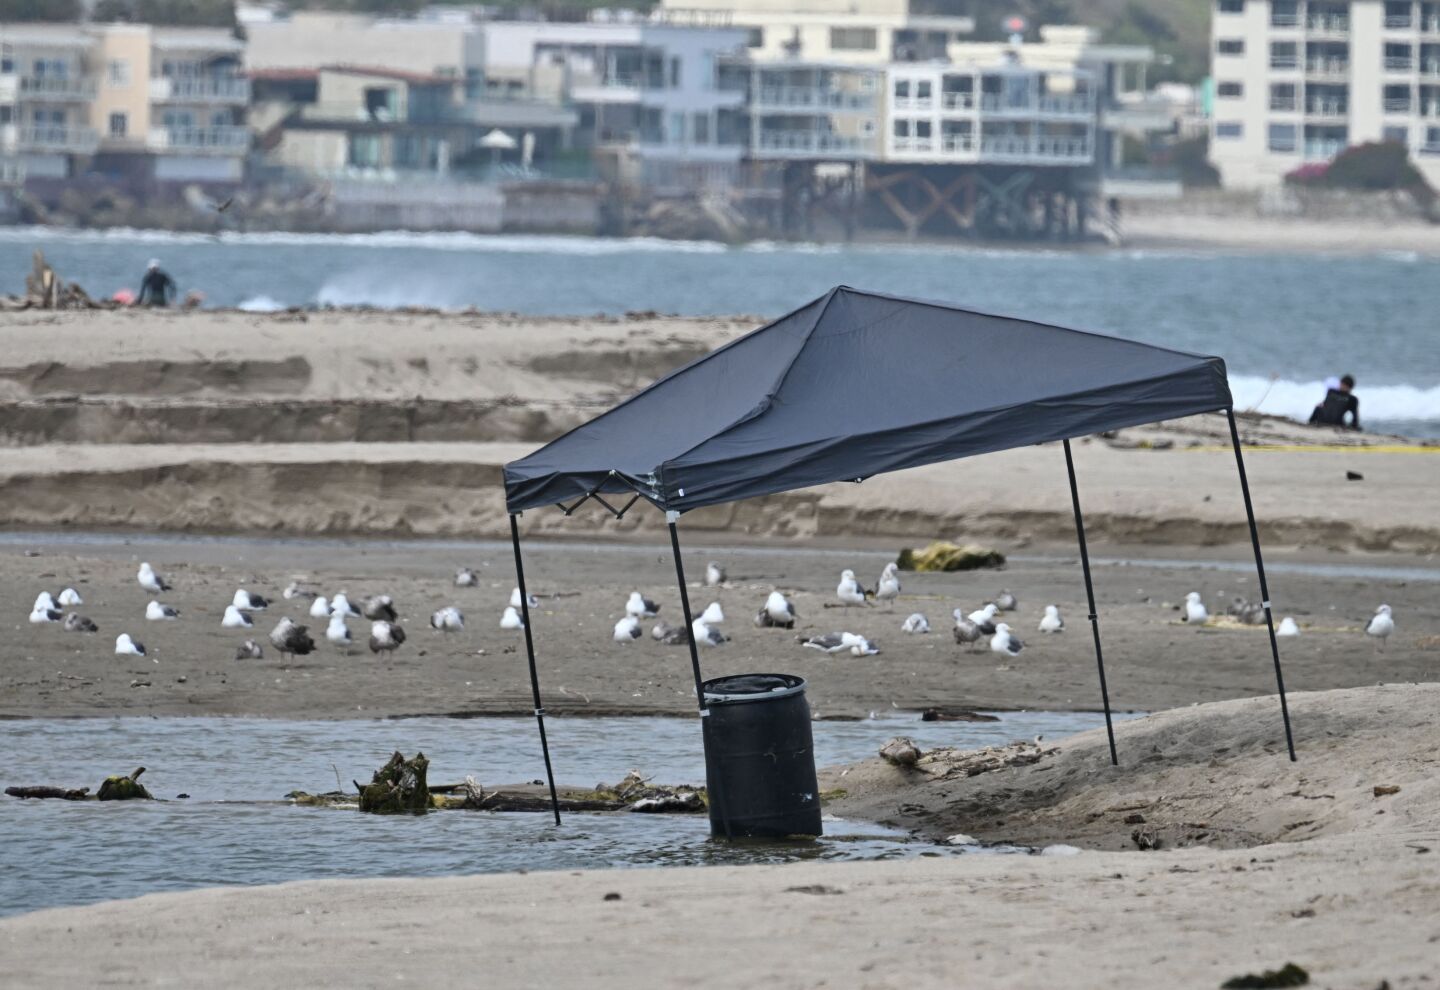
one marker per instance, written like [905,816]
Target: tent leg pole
[1090,597]
[530,653]
[670,519]
[1264,589]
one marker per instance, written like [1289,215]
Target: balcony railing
[57,88]
[807,141]
[1316,150]
[812,98]
[914,103]
[1430,148]
[1430,68]
[1395,104]
[51,138]
[915,145]
[957,144]
[1327,24]
[1067,106]
[1430,109]
[1327,108]
[1430,25]
[1398,22]
[222,140]
[200,89]
[1284,61]
[957,101]
[1284,103]
[1327,66]
[1398,63]
[1041,146]
[1278,20]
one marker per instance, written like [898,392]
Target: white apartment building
[1298,81]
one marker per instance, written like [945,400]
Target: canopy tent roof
[856,384]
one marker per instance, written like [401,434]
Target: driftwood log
[397,788]
[59,793]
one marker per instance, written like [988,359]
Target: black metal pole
[1090,597]
[1264,589]
[530,652]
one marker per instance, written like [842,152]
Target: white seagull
[320,608]
[640,606]
[967,633]
[713,615]
[1195,609]
[859,646]
[848,590]
[157,612]
[1052,623]
[704,635]
[247,602]
[385,636]
[889,587]
[916,623]
[40,614]
[340,603]
[1005,601]
[448,619]
[249,650]
[627,630]
[835,642]
[234,618]
[511,619]
[1287,627]
[714,575]
[379,607]
[75,622]
[69,598]
[150,580]
[466,578]
[1381,625]
[984,618]
[531,600]
[125,646]
[338,632]
[1003,642]
[779,611]
[43,601]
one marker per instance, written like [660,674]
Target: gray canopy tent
[856,384]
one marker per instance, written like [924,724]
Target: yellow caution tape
[1320,448]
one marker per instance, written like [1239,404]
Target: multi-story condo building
[127,100]
[1298,81]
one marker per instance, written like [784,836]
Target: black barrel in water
[759,757]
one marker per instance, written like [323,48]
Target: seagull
[984,619]
[835,642]
[125,646]
[713,615]
[511,619]
[249,650]
[1052,623]
[1005,601]
[1381,624]
[670,635]
[714,575]
[1287,627]
[777,611]
[379,608]
[150,580]
[247,602]
[466,578]
[889,587]
[287,637]
[385,636]
[640,606]
[706,636]
[916,623]
[448,619]
[234,618]
[293,590]
[1195,609]
[530,600]
[1003,642]
[340,603]
[859,646]
[338,632]
[43,602]
[967,633]
[320,608]
[627,629]
[75,622]
[69,598]
[848,590]
[157,612]
[40,614]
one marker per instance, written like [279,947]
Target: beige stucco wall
[129,44]
[339,92]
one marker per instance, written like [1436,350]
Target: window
[902,128]
[1229,129]
[7,114]
[1284,55]
[1282,137]
[756,38]
[1398,135]
[902,89]
[1230,46]
[119,124]
[7,59]
[922,89]
[677,129]
[117,72]
[1284,13]
[1230,90]
[674,72]
[701,128]
[1231,6]
[852,39]
[1282,96]
[922,128]
[867,128]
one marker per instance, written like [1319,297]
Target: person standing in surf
[156,288]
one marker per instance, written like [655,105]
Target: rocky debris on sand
[942,555]
[948,764]
[1288,975]
[901,751]
[397,788]
[124,788]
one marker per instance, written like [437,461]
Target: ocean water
[1283,323]
[234,828]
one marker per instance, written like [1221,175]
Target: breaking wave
[1381,403]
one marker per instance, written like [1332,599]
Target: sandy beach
[1343,886]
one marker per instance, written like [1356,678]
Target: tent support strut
[1264,588]
[530,653]
[1090,597]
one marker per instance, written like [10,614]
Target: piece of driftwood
[60,793]
[634,793]
[947,764]
[397,788]
[901,751]
[939,715]
[124,788]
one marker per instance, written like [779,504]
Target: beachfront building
[1298,81]
[130,101]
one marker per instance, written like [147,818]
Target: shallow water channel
[60,852]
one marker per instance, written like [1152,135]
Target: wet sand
[1153,661]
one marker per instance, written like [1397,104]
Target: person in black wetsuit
[156,288]
[1337,404]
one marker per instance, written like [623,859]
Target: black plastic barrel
[759,757]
